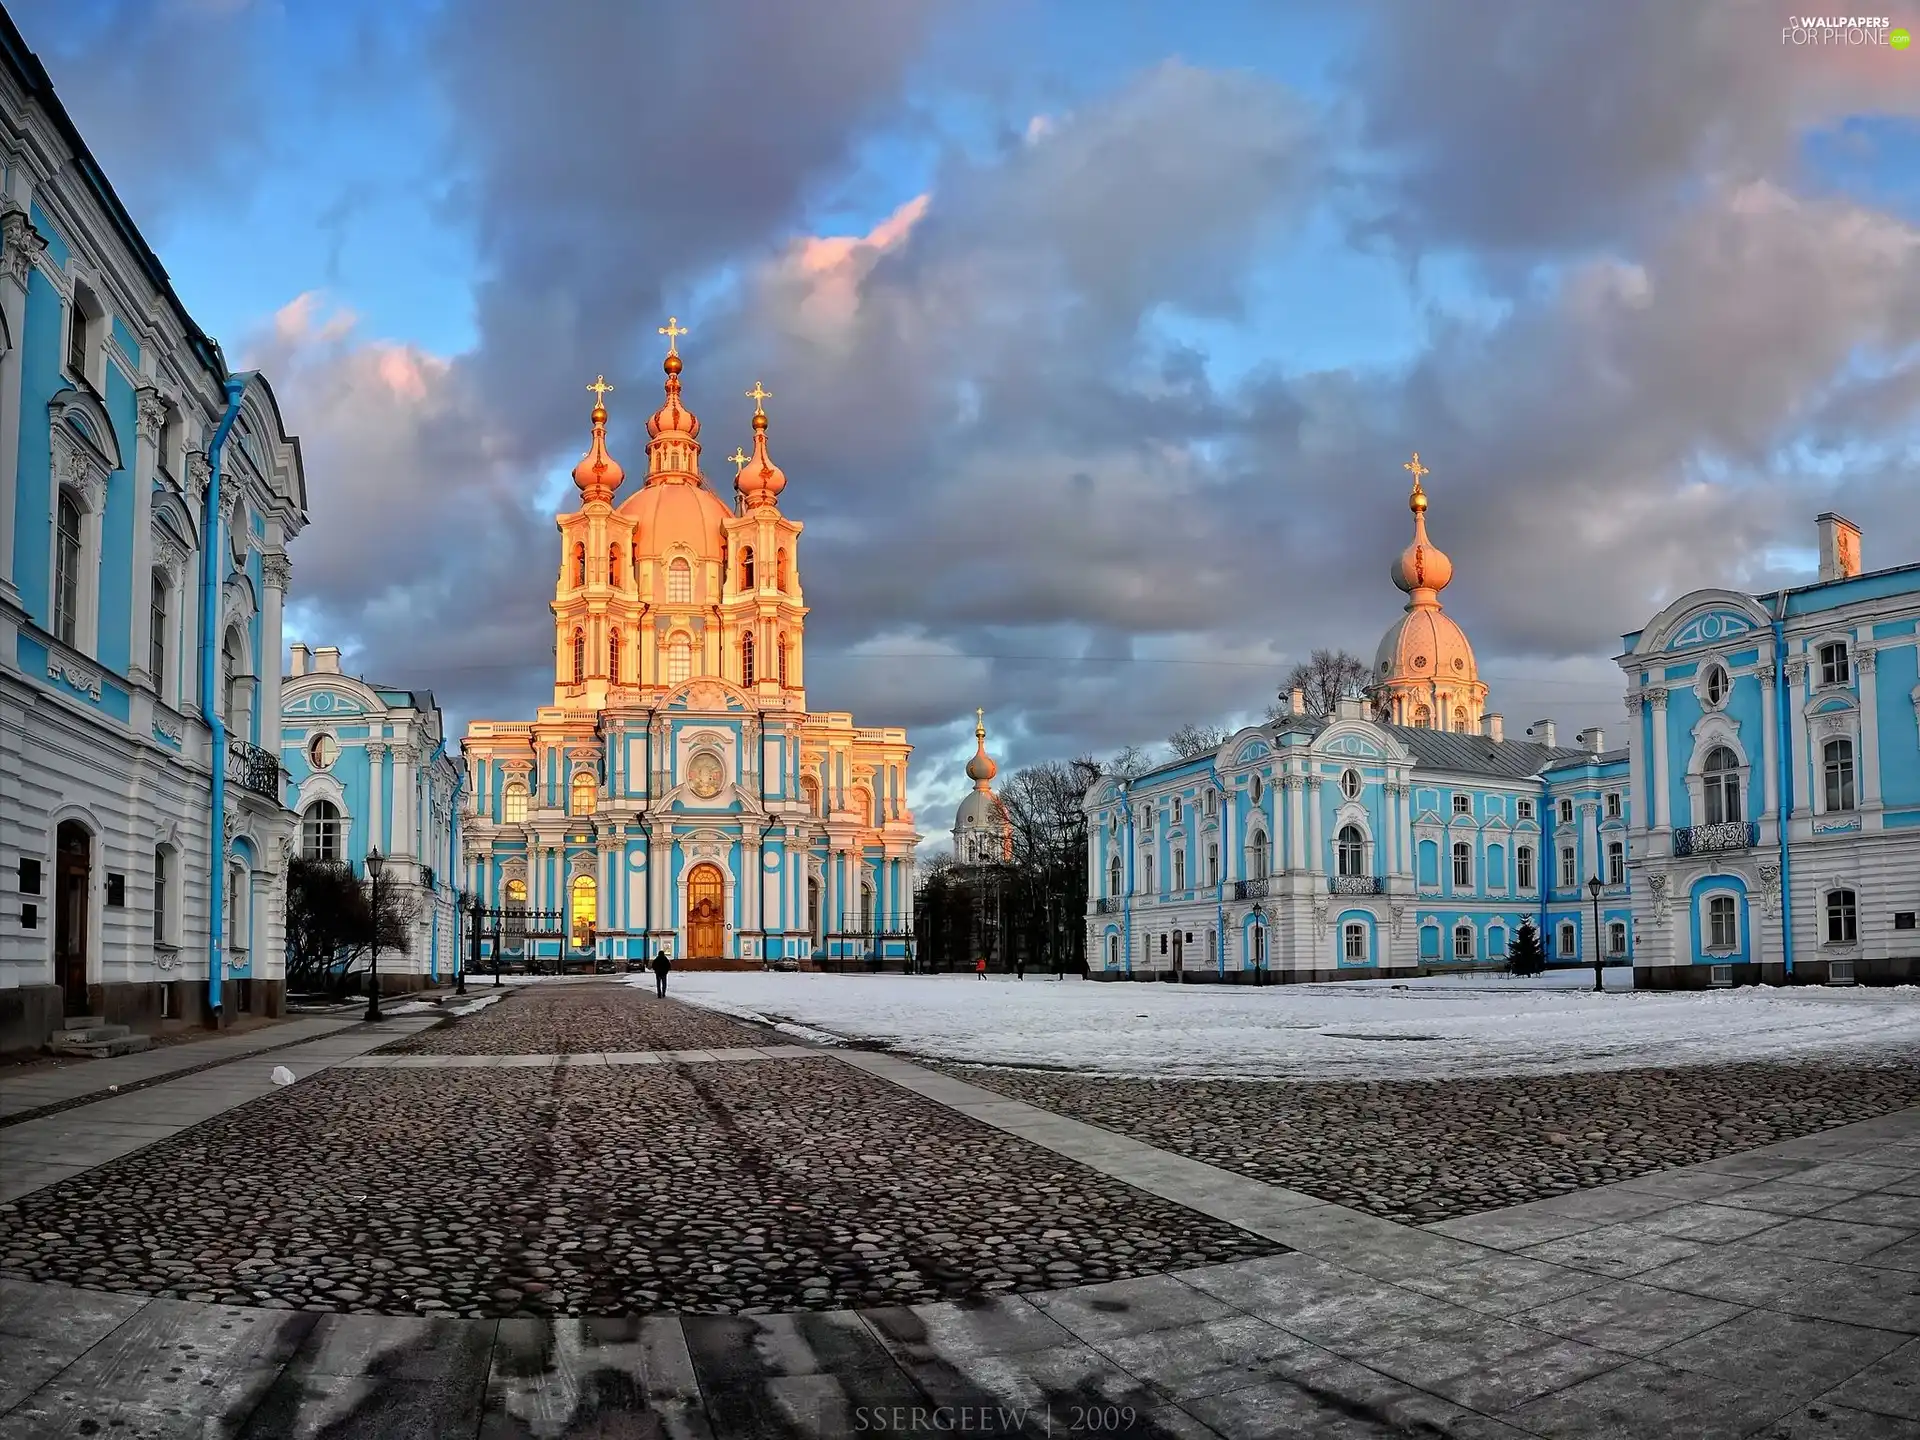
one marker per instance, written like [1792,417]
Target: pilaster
[20,249]
[1864,662]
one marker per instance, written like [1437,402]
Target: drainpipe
[433,954]
[1547,866]
[1126,900]
[1783,752]
[1220,887]
[210,699]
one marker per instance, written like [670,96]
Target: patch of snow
[1435,1027]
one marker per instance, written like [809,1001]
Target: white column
[753,892]
[1863,660]
[149,414]
[402,800]
[20,245]
[1229,838]
[1590,822]
[1662,816]
[1810,796]
[1289,802]
[1312,797]
[376,837]
[1769,741]
[276,570]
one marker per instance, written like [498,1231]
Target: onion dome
[598,474]
[981,769]
[760,481]
[674,509]
[1425,663]
[1422,566]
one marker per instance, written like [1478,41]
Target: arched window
[746,567]
[1843,927]
[746,659]
[810,792]
[1496,942]
[783,659]
[780,576]
[679,657]
[68,571]
[239,913]
[1720,781]
[516,892]
[1422,717]
[1837,758]
[679,583]
[1179,869]
[1113,952]
[613,656]
[585,908]
[1567,947]
[1463,942]
[586,791]
[1616,863]
[162,900]
[580,564]
[1257,856]
[1617,937]
[1354,943]
[1459,717]
[579,656]
[1523,867]
[1462,863]
[513,807]
[320,831]
[1113,876]
[233,677]
[1723,923]
[158,621]
[1350,851]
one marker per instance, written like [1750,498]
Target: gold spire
[980,724]
[673,330]
[1417,501]
[981,769]
[739,458]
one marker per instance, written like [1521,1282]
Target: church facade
[1403,833]
[678,795]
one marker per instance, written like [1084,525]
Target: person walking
[980,967]
[1020,966]
[660,967]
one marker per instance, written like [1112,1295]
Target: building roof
[1472,754]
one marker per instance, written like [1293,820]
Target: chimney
[297,666]
[1351,707]
[1593,739]
[1540,732]
[1839,547]
[1299,700]
[1494,727]
[326,660]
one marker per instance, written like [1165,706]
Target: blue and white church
[1775,744]
[367,769]
[678,795]
[1401,834]
[147,495]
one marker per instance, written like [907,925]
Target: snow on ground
[1429,1028]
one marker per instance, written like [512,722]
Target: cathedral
[678,795]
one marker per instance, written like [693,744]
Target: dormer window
[1463,804]
[1835,668]
[1716,686]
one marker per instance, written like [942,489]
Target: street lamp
[375,863]
[473,942]
[1599,956]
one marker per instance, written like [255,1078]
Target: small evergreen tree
[1525,954]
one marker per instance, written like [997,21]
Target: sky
[1097,331]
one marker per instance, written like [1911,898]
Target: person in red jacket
[980,967]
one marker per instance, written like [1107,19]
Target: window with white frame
[159,616]
[320,831]
[1462,863]
[1113,876]
[1176,809]
[1613,804]
[1524,809]
[233,682]
[162,895]
[1179,869]
[85,323]
[67,550]
[1568,943]
[1463,942]
[1113,952]
[1568,875]
[1837,763]
[586,792]
[239,935]
[1213,799]
[1616,937]
[1566,812]
[1843,918]
[1350,783]
[1720,786]
[1616,863]
[1146,869]
[1257,856]
[1835,666]
[679,658]
[513,805]
[1355,942]
[1213,864]
[679,583]
[1523,867]
[322,751]
[1350,851]
[1463,804]
[1714,686]
[1723,923]
[1146,818]
[1259,945]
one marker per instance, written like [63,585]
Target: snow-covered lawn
[1375,1029]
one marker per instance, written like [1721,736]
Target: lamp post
[473,946]
[375,863]
[1599,955]
[496,949]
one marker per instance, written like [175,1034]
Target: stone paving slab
[587,1017]
[587,1059]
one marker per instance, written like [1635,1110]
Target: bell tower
[762,611]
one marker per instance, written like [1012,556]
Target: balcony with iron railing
[1105,905]
[1254,889]
[1355,885]
[1713,839]
[253,768]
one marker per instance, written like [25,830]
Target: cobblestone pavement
[721,1187]
[1419,1151]
[568,1019]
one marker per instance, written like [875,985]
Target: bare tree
[1325,678]
[1131,761]
[1191,740]
[330,924]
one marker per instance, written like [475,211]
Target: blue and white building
[1400,834]
[368,768]
[147,493]
[1775,743]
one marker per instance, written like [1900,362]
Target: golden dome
[981,769]
[1425,663]
[598,474]
[675,508]
[760,481]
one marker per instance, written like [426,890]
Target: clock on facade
[704,776]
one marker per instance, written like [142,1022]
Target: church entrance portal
[73,884]
[706,922]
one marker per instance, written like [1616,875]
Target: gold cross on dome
[739,458]
[673,330]
[759,395]
[600,387]
[1417,468]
